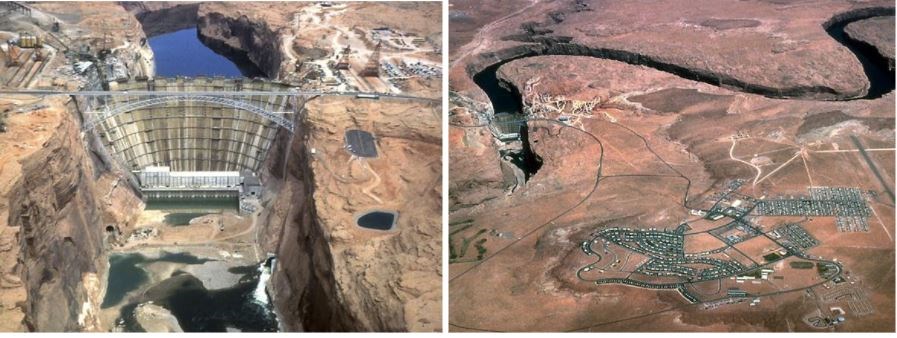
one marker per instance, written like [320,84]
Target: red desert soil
[663,139]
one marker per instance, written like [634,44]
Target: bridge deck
[361,95]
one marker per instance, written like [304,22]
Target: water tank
[27,42]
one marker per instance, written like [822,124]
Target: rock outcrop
[241,38]
[877,32]
[304,287]
[154,318]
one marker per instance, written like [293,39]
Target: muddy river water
[192,289]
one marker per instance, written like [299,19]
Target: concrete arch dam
[197,131]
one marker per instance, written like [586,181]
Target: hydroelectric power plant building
[161,182]
[163,178]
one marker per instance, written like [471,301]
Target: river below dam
[202,294]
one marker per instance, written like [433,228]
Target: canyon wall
[58,209]
[332,275]
[303,285]
[876,32]
[238,38]
[662,41]
[160,17]
[563,46]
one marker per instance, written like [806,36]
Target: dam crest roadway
[153,100]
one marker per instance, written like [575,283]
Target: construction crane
[372,68]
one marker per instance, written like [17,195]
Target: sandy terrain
[660,144]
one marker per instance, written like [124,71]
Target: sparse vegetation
[456,254]
[772,257]
[801,265]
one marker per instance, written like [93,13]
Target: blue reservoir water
[182,53]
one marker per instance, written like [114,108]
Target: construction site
[190,167]
[380,59]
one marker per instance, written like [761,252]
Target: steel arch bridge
[98,117]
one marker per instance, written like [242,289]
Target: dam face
[193,147]
[190,135]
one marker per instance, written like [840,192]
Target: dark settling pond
[377,220]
